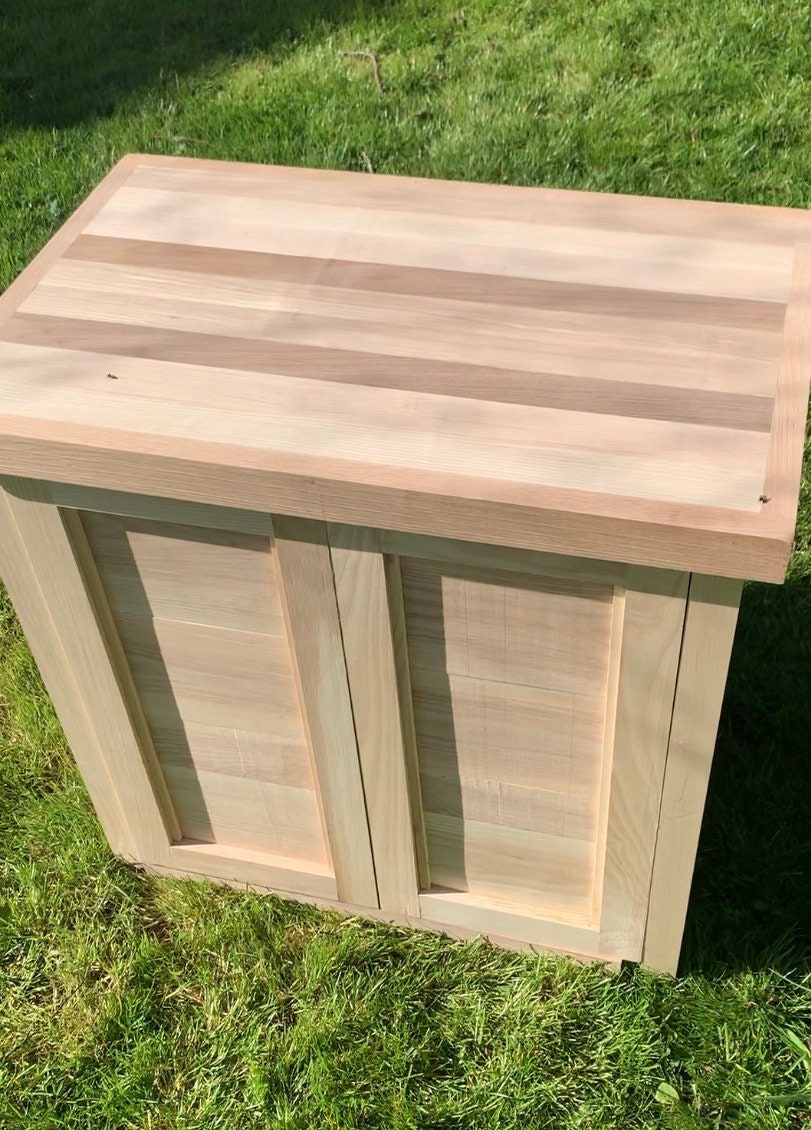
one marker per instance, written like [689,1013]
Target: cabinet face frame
[53,580]
[671,638]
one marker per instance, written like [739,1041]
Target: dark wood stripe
[427,282]
[473,382]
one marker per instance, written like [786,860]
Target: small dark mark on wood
[112,377]
[372,57]
[763,498]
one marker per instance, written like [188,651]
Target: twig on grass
[372,57]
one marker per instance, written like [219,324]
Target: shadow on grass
[751,903]
[63,63]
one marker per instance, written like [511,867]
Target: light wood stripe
[738,411]
[279,756]
[433,335]
[467,286]
[696,219]
[641,458]
[212,676]
[694,268]
[542,333]
[531,869]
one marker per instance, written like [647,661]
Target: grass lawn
[134,1002]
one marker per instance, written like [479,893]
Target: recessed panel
[509,678]
[200,619]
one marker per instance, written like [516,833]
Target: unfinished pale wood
[649,460]
[399,638]
[459,358]
[498,513]
[556,812]
[244,867]
[62,567]
[215,676]
[279,755]
[399,325]
[509,678]
[75,714]
[609,734]
[186,602]
[712,613]
[507,731]
[741,223]
[652,625]
[182,572]
[784,465]
[480,555]
[308,599]
[507,627]
[545,875]
[363,605]
[549,936]
[451,911]
[591,257]
[259,816]
[173,510]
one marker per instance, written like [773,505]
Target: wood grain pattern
[541,873]
[606,376]
[556,631]
[62,570]
[712,614]
[363,606]
[227,579]
[199,616]
[509,676]
[458,916]
[62,684]
[243,867]
[239,812]
[652,627]
[307,589]
[175,511]
[399,639]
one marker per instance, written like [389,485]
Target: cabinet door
[204,646]
[522,703]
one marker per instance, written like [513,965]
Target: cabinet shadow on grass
[750,906]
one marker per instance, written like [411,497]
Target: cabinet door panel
[509,676]
[208,664]
[199,616]
[538,704]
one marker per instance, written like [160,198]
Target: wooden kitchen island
[380,540]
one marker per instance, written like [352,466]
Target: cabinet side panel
[509,676]
[199,616]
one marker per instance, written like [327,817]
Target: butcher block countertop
[603,376]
